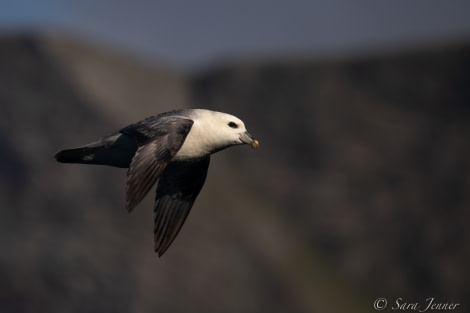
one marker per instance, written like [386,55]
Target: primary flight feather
[171,149]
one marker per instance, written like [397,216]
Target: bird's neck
[198,143]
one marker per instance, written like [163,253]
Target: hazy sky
[191,33]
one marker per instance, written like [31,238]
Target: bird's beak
[248,139]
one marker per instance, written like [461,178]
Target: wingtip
[161,247]
[159,250]
[129,206]
[131,200]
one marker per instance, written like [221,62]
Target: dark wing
[177,189]
[157,146]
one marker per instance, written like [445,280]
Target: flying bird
[172,148]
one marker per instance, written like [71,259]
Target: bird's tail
[84,155]
[115,150]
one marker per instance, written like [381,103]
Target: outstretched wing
[158,143]
[178,187]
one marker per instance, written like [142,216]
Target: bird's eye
[232,125]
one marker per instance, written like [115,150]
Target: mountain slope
[70,245]
[369,157]
[357,191]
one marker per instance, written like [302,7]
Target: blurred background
[359,190]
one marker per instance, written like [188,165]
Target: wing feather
[152,156]
[178,187]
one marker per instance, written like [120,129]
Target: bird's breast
[191,149]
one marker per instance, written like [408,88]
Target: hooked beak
[248,139]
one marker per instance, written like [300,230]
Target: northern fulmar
[172,147]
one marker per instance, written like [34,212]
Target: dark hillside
[369,157]
[68,243]
[359,188]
